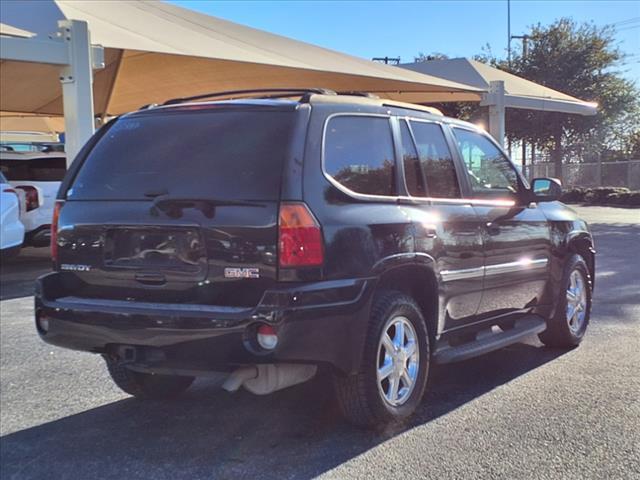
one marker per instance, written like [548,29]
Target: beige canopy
[519,92]
[155,51]
[16,122]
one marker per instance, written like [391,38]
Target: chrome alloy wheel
[576,301]
[398,361]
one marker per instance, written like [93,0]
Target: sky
[458,28]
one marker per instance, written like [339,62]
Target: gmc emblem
[241,273]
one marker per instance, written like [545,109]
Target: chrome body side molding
[497,269]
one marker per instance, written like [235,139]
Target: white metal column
[77,87]
[72,50]
[494,99]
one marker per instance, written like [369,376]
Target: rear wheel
[394,370]
[147,386]
[569,323]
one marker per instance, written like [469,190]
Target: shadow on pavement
[212,434]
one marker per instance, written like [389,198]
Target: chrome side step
[523,327]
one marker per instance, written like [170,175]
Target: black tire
[358,395]
[147,386]
[558,332]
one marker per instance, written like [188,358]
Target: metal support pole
[509,33]
[77,87]
[494,99]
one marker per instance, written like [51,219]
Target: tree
[581,61]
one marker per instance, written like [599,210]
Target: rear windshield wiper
[173,205]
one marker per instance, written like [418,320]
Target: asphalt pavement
[522,412]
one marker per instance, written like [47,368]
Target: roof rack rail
[355,93]
[278,93]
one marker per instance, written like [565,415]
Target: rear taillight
[300,237]
[11,190]
[54,231]
[32,201]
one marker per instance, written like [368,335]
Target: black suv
[271,237]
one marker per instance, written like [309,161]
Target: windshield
[210,154]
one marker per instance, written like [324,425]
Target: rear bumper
[322,322]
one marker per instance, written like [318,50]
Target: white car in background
[11,228]
[36,176]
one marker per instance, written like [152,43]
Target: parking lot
[521,412]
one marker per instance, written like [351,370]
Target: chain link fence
[591,174]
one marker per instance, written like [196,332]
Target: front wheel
[147,386]
[567,327]
[395,364]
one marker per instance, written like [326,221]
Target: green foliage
[578,60]
[581,61]
[602,196]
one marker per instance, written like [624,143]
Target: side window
[412,173]
[436,160]
[359,154]
[489,171]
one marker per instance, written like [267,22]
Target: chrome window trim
[459,201]
[395,198]
[337,184]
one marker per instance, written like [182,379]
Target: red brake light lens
[300,237]
[54,231]
[30,196]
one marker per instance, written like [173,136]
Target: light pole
[509,33]
[525,53]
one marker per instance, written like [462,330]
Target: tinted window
[211,154]
[359,154]
[489,171]
[50,169]
[3,179]
[436,161]
[412,173]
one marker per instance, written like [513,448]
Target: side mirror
[546,189]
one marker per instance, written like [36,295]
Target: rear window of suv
[220,154]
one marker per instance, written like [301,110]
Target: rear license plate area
[155,249]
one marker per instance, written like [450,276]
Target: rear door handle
[492,228]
